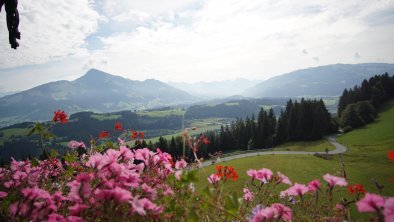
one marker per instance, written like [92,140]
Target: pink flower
[118,194]
[57,198]
[314,185]
[252,173]
[284,193]
[77,209]
[151,193]
[178,175]
[3,194]
[264,175]
[75,144]
[181,164]
[248,195]
[80,187]
[370,203]
[333,181]
[213,178]
[35,193]
[144,155]
[55,218]
[126,153]
[340,207]
[74,219]
[283,179]
[298,190]
[140,206]
[282,212]
[389,209]
[260,214]
[120,141]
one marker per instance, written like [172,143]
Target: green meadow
[365,159]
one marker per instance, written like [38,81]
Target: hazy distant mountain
[2,94]
[209,90]
[95,91]
[328,80]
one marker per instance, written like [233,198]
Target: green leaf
[193,217]
[231,203]
[69,157]
[53,153]
[207,191]
[35,162]
[190,177]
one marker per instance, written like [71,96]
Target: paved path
[339,148]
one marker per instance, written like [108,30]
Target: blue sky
[191,40]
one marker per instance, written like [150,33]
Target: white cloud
[194,40]
[50,29]
[238,38]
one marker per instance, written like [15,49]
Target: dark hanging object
[12,21]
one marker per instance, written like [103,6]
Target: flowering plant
[126,184]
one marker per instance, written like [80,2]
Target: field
[366,158]
[102,117]
[8,133]
[309,146]
[162,113]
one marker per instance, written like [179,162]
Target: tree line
[357,106]
[301,120]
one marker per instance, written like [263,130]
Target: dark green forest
[357,106]
[301,120]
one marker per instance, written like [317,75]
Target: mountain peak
[95,72]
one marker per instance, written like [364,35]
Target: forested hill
[357,106]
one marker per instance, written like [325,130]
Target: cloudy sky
[191,40]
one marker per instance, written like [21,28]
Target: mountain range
[95,91]
[98,91]
[329,80]
[215,89]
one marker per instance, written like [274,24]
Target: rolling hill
[95,91]
[328,80]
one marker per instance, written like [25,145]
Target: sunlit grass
[365,159]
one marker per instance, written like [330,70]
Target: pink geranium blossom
[298,190]
[3,194]
[334,180]
[144,155]
[181,164]
[248,195]
[252,173]
[389,209]
[55,218]
[117,194]
[282,212]
[75,144]
[283,179]
[141,206]
[314,185]
[80,187]
[213,178]
[77,209]
[260,214]
[264,175]
[370,203]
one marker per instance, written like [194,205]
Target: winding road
[339,148]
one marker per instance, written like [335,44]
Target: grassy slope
[13,132]
[310,146]
[366,158]
[162,113]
